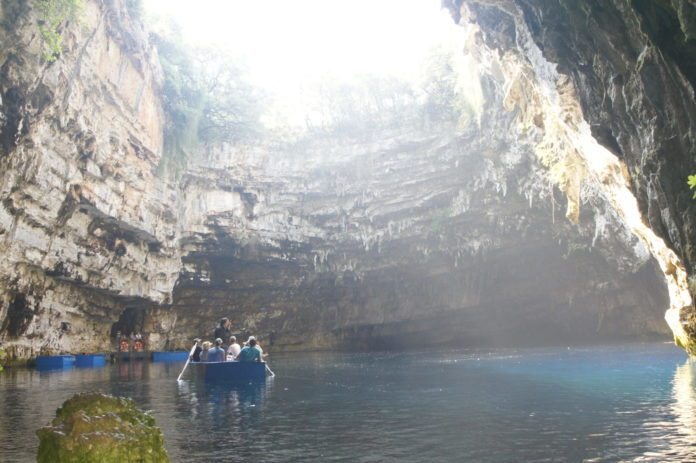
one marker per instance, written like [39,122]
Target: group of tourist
[218,352]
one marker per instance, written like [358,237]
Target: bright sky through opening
[285,44]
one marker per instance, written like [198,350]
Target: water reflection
[683,439]
[220,417]
[212,399]
[130,370]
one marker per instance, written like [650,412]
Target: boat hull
[240,372]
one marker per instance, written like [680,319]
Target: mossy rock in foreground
[94,427]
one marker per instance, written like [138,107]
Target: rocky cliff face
[85,225]
[619,77]
[434,234]
[414,239]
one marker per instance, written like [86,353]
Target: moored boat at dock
[90,360]
[54,362]
[130,355]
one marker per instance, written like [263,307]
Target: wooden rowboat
[240,372]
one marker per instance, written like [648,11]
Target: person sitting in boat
[234,349]
[217,353]
[258,346]
[251,352]
[223,330]
[205,347]
[196,357]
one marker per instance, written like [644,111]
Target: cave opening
[412,181]
[440,169]
[19,316]
[454,240]
[131,321]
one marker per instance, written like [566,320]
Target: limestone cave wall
[405,240]
[619,75]
[86,227]
[513,228]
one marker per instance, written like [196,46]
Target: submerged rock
[98,427]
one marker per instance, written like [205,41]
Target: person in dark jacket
[196,357]
[223,330]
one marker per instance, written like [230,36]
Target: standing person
[223,329]
[250,353]
[217,353]
[234,349]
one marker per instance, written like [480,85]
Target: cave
[19,316]
[448,230]
[131,321]
[525,182]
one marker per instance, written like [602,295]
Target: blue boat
[176,356]
[90,360]
[54,362]
[238,372]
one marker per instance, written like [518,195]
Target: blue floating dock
[90,360]
[177,356]
[54,362]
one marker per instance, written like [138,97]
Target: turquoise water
[599,404]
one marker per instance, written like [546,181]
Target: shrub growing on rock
[53,13]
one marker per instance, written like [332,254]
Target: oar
[269,370]
[187,361]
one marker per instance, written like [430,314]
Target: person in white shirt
[234,349]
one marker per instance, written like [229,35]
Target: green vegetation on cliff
[96,427]
[206,97]
[209,99]
[53,13]
[692,183]
[366,104]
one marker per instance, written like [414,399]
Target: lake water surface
[596,404]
